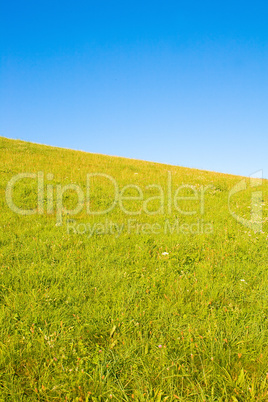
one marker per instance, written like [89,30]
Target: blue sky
[179,82]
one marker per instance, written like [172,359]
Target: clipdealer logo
[256,220]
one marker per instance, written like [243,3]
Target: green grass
[108,317]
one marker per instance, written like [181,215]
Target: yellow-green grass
[147,315]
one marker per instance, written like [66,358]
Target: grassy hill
[162,298]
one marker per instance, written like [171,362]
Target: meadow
[164,297]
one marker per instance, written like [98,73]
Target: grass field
[160,299]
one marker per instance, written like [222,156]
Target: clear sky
[180,82]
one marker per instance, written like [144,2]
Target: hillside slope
[128,280]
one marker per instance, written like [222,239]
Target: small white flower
[165,253]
